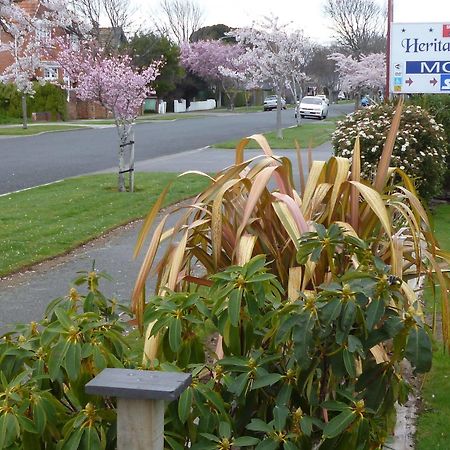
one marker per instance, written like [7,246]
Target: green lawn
[307,134]
[46,221]
[433,427]
[36,129]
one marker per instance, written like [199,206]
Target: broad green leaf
[56,357]
[175,334]
[334,405]
[330,311]
[245,441]
[91,439]
[184,405]
[9,429]
[63,318]
[303,337]
[259,425]
[418,350]
[225,429]
[348,316]
[211,437]
[27,424]
[267,444]
[73,440]
[349,362]
[39,416]
[99,359]
[73,360]
[255,265]
[234,307]
[338,424]
[280,414]
[354,344]
[239,384]
[266,380]
[374,313]
[306,425]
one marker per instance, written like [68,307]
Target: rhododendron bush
[420,149]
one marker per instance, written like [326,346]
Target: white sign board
[420,58]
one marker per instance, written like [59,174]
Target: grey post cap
[139,384]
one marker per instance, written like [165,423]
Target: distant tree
[322,69]
[212,33]
[147,47]
[359,76]
[217,62]
[117,12]
[112,82]
[357,23]
[273,55]
[177,19]
[28,36]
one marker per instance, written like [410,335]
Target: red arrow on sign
[433,81]
[409,82]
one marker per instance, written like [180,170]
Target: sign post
[420,58]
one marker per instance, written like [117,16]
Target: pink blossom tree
[112,82]
[274,55]
[27,39]
[216,62]
[366,74]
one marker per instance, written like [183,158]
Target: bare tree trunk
[24,112]
[123,130]
[131,179]
[218,95]
[279,129]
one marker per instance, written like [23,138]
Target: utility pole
[390,18]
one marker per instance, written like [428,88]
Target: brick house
[50,70]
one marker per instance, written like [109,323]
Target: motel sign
[420,58]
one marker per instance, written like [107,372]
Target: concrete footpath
[24,296]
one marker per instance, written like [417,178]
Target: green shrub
[47,98]
[318,370]
[420,149]
[44,367]
[439,107]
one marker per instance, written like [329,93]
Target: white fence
[200,106]
[179,105]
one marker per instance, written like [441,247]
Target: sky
[304,14]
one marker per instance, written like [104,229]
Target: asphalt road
[34,160]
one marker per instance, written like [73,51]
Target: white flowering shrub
[420,150]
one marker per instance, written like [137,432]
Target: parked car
[313,107]
[324,98]
[341,96]
[270,103]
[365,101]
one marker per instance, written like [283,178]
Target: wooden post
[140,403]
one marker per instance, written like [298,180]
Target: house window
[50,73]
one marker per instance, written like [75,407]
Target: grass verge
[47,221]
[433,431]
[36,129]
[309,134]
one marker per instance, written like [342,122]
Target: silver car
[313,107]
[270,103]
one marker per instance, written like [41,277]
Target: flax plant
[254,208]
